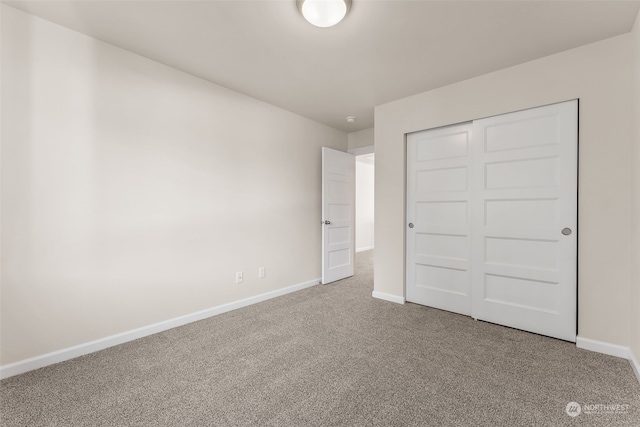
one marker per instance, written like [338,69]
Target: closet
[491,225]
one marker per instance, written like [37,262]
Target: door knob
[566,231]
[327,222]
[410,225]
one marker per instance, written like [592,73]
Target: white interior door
[438,225]
[492,219]
[524,220]
[338,215]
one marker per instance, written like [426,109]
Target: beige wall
[132,192]
[600,76]
[635,167]
[362,138]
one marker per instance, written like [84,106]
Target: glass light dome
[324,13]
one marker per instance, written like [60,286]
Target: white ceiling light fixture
[324,13]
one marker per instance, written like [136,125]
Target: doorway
[365,174]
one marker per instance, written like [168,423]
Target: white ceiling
[382,51]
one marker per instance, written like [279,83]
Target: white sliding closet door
[438,226]
[492,219]
[524,220]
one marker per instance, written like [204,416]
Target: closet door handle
[410,225]
[566,231]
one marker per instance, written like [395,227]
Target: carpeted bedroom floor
[330,356]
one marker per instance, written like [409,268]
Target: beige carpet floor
[330,356]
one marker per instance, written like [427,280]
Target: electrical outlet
[239,277]
[261,273]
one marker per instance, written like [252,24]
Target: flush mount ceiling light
[323,13]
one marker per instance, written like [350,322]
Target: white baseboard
[603,347]
[634,364]
[388,297]
[100,344]
[366,248]
[611,350]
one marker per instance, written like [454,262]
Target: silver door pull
[327,222]
[566,231]
[410,225]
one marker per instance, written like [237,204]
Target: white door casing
[515,210]
[524,267]
[338,215]
[438,225]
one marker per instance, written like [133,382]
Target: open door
[338,214]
